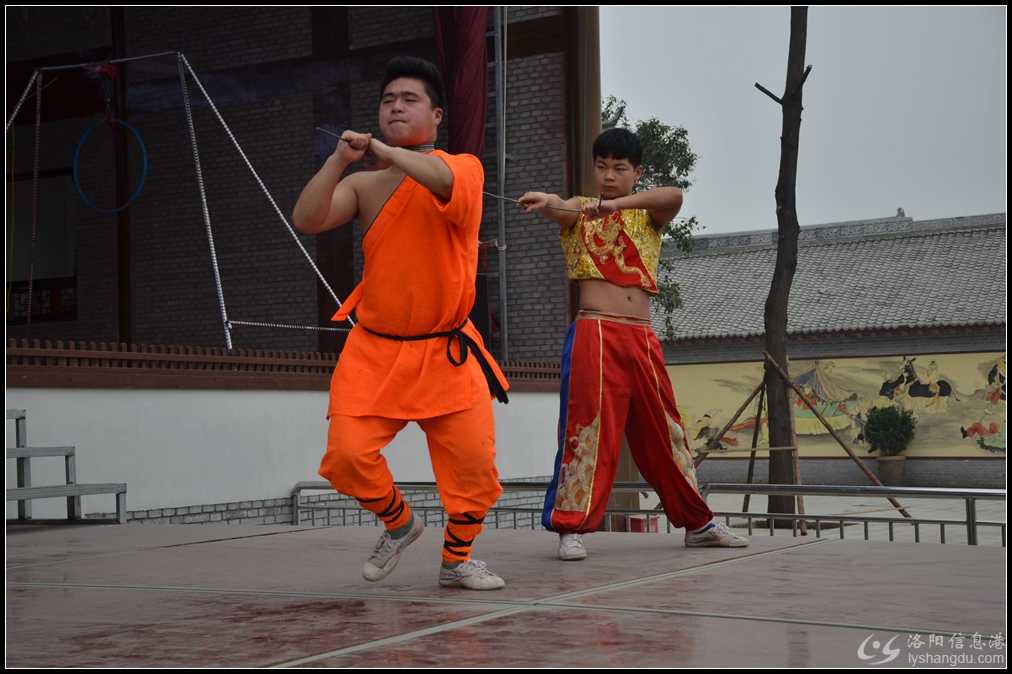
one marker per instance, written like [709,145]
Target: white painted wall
[178,448]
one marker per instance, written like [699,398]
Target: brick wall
[35,32]
[94,258]
[264,276]
[520,14]
[372,26]
[214,38]
[538,291]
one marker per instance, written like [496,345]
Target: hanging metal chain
[260,182]
[24,96]
[203,202]
[290,326]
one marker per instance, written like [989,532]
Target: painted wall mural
[958,401]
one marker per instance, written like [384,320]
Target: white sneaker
[471,575]
[571,548]
[716,535]
[388,550]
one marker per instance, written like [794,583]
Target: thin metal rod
[755,443]
[500,124]
[860,464]
[517,201]
[714,442]
[971,521]
[98,63]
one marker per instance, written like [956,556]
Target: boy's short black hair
[419,69]
[619,143]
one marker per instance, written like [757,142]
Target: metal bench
[25,492]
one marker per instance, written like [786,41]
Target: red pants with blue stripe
[614,383]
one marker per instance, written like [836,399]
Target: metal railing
[530,517]
[968,496]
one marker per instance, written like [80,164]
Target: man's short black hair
[619,143]
[419,69]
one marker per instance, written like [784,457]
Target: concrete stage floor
[160,596]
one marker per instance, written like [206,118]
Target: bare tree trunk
[781,417]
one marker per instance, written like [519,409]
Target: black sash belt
[464,345]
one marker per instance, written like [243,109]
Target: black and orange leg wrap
[392,509]
[459,536]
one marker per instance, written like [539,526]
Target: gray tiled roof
[869,275]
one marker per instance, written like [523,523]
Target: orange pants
[462,449]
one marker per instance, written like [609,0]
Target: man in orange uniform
[407,359]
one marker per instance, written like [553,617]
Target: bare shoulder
[365,183]
[356,180]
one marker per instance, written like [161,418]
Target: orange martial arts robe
[421,256]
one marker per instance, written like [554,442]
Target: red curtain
[461,52]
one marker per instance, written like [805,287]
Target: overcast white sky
[905,107]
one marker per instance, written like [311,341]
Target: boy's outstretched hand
[534,202]
[599,209]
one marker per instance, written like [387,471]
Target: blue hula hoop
[144,171]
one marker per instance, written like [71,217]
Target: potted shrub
[889,431]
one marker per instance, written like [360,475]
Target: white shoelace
[383,545]
[722,529]
[480,568]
